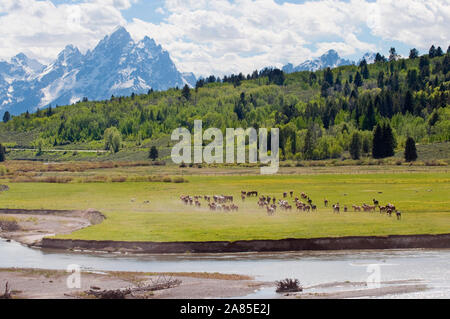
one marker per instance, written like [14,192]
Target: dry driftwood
[160,284]
[7,294]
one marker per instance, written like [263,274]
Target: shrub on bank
[288,285]
[8,224]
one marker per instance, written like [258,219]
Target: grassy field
[422,197]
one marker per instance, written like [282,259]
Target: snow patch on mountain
[330,59]
[369,57]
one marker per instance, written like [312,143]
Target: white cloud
[415,22]
[119,4]
[218,36]
[41,30]
[160,10]
[222,36]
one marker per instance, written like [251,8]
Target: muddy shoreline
[52,284]
[36,224]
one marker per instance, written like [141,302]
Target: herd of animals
[286,203]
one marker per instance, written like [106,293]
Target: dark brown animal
[336,208]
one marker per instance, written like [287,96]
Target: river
[431,267]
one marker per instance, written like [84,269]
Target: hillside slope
[317,112]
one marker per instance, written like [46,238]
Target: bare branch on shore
[160,284]
[7,294]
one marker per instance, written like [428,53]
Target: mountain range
[116,66]
[330,59]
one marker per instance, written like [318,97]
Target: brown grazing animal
[336,208]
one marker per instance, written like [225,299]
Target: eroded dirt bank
[34,225]
[341,243]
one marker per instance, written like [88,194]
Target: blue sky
[224,36]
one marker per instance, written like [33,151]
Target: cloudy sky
[224,36]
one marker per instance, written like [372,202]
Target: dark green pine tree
[153,154]
[364,69]
[324,89]
[347,89]
[412,79]
[6,117]
[2,153]
[389,142]
[328,77]
[358,80]
[294,143]
[186,93]
[413,54]
[424,67]
[355,146]
[377,143]
[369,119]
[432,52]
[365,72]
[408,106]
[49,111]
[433,119]
[410,150]
[379,58]
[308,148]
[380,80]
[446,64]
[338,82]
[159,116]
[240,107]
[392,55]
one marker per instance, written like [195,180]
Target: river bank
[34,225]
[417,273]
[36,228]
[52,284]
[295,244]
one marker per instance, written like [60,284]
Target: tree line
[320,114]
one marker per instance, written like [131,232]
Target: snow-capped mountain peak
[329,59]
[30,65]
[69,56]
[369,57]
[117,40]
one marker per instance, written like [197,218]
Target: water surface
[431,267]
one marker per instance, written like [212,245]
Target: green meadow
[423,199]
